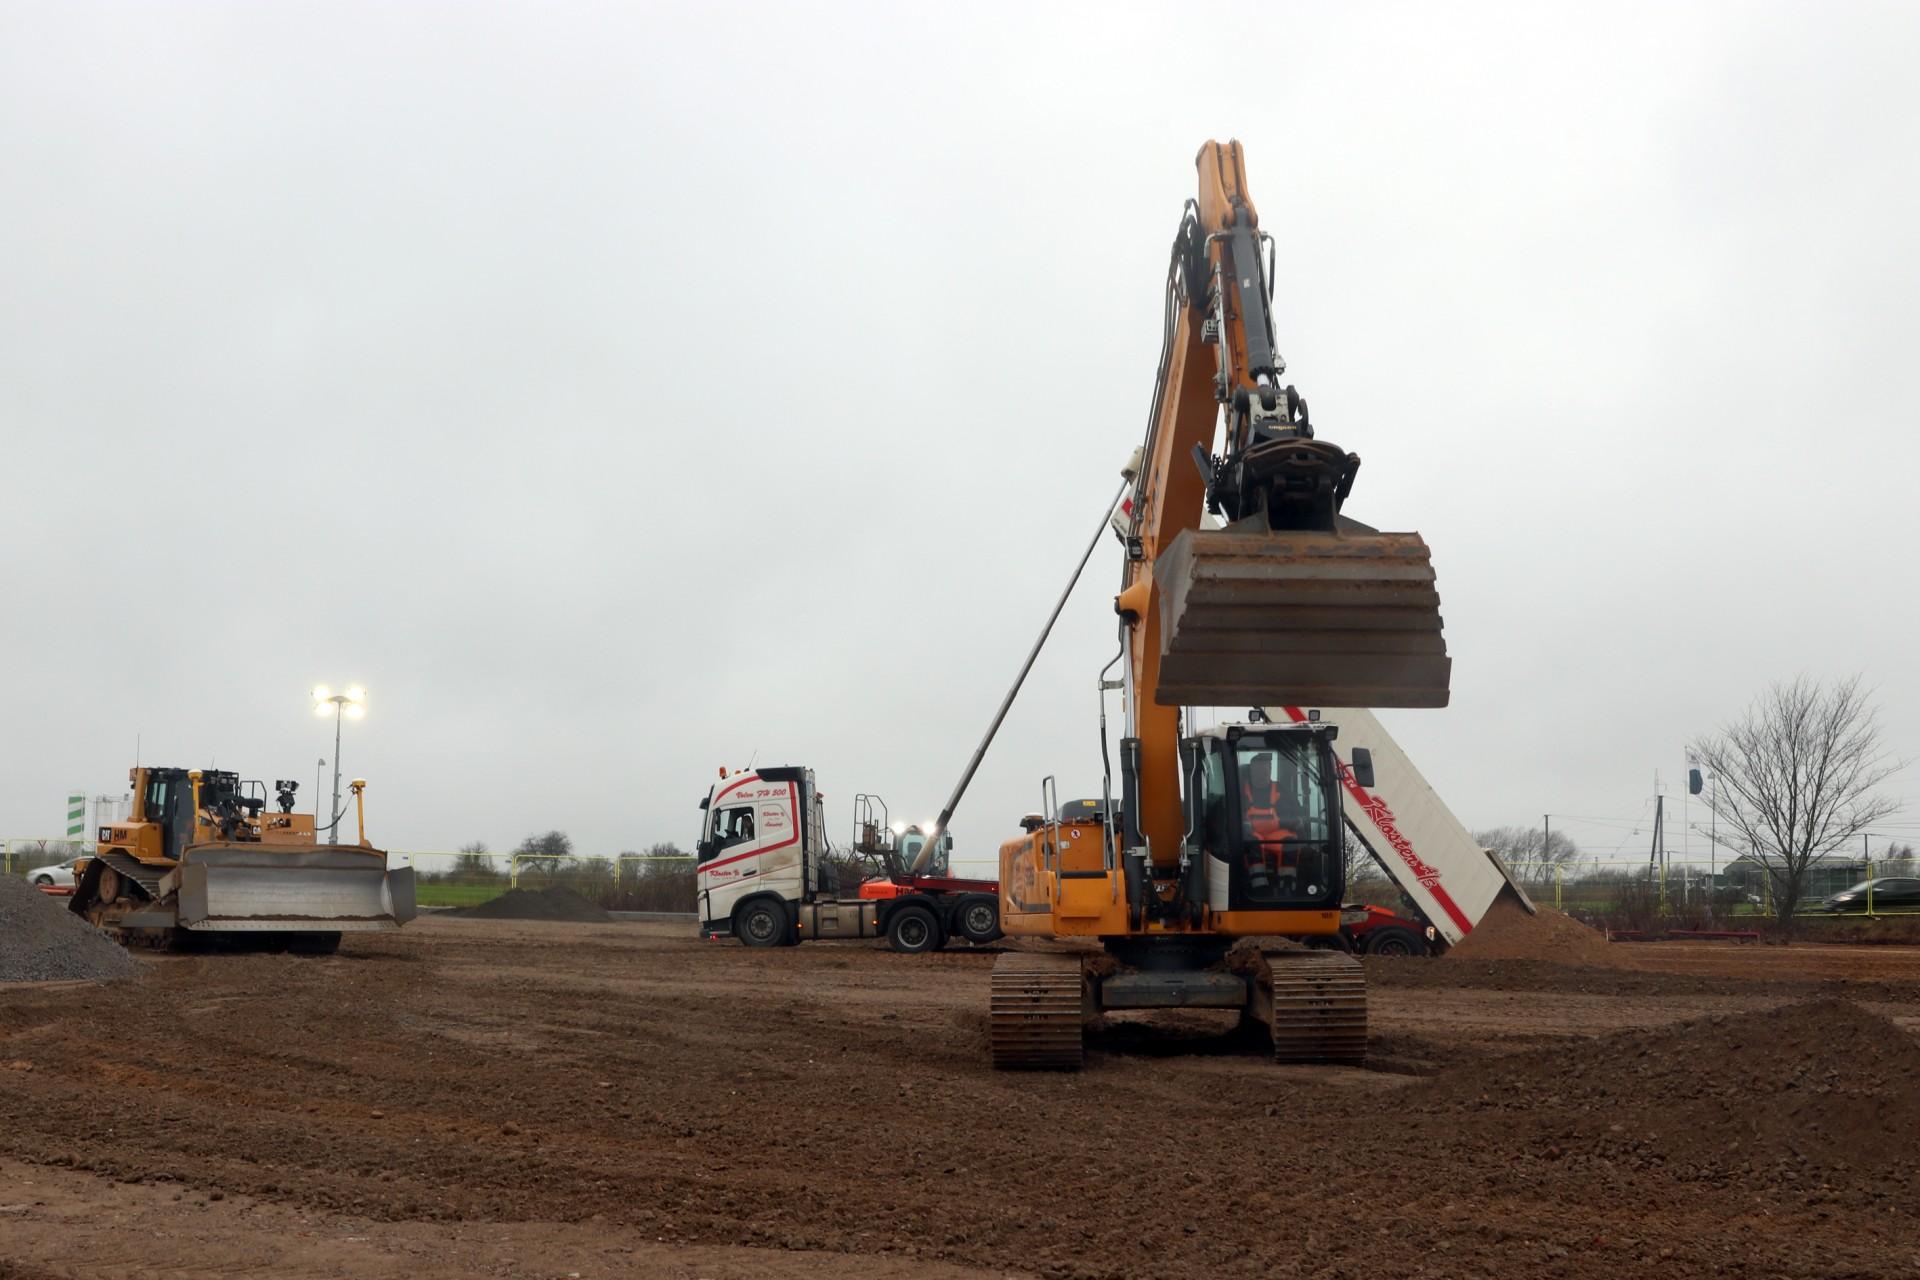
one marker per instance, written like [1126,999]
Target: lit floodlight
[355,710]
[356,694]
[322,694]
[323,709]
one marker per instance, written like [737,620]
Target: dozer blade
[268,888]
[1322,619]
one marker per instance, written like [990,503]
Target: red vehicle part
[1376,931]
[898,887]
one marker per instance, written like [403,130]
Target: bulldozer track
[1316,1006]
[133,869]
[1034,1012]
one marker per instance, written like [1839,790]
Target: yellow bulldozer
[203,859]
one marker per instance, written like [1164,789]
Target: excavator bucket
[1348,619]
[262,887]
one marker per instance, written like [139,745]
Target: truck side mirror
[1363,767]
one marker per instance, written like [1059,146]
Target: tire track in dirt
[837,1099]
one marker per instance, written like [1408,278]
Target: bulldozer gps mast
[1233,831]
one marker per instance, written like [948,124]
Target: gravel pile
[41,941]
[536,904]
[1507,932]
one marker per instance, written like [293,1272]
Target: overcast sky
[622,391]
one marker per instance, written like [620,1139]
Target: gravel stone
[42,941]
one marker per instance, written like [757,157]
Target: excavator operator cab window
[1266,808]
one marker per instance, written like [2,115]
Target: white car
[60,873]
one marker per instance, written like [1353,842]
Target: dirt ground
[487,1098]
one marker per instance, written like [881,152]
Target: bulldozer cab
[164,797]
[1263,806]
[229,809]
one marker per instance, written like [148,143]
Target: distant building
[1824,877]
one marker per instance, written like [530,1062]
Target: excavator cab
[1263,807]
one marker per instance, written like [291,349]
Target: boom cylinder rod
[980,752]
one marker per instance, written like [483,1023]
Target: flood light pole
[351,705]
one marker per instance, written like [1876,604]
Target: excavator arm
[1290,601]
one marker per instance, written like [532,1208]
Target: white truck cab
[762,876]
[763,834]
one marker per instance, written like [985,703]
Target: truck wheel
[912,930]
[762,924]
[44,880]
[1329,942]
[979,919]
[1396,942]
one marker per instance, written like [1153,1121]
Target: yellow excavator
[202,859]
[1211,880]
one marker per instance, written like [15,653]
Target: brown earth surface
[501,1098]
[1510,932]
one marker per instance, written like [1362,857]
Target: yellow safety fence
[1729,890]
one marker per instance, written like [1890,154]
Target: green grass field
[456,895]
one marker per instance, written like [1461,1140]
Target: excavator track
[1034,1012]
[1315,1006]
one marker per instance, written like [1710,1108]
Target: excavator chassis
[1347,619]
[1312,1003]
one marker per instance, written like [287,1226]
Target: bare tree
[555,850]
[1361,868]
[1529,852]
[1794,779]
[1898,860]
[474,862]
[666,880]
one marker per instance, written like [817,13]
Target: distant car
[1890,893]
[60,873]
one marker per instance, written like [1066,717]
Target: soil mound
[1804,1095]
[557,903]
[41,941]
[1507,932]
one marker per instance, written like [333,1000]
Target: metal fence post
[1869,865]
